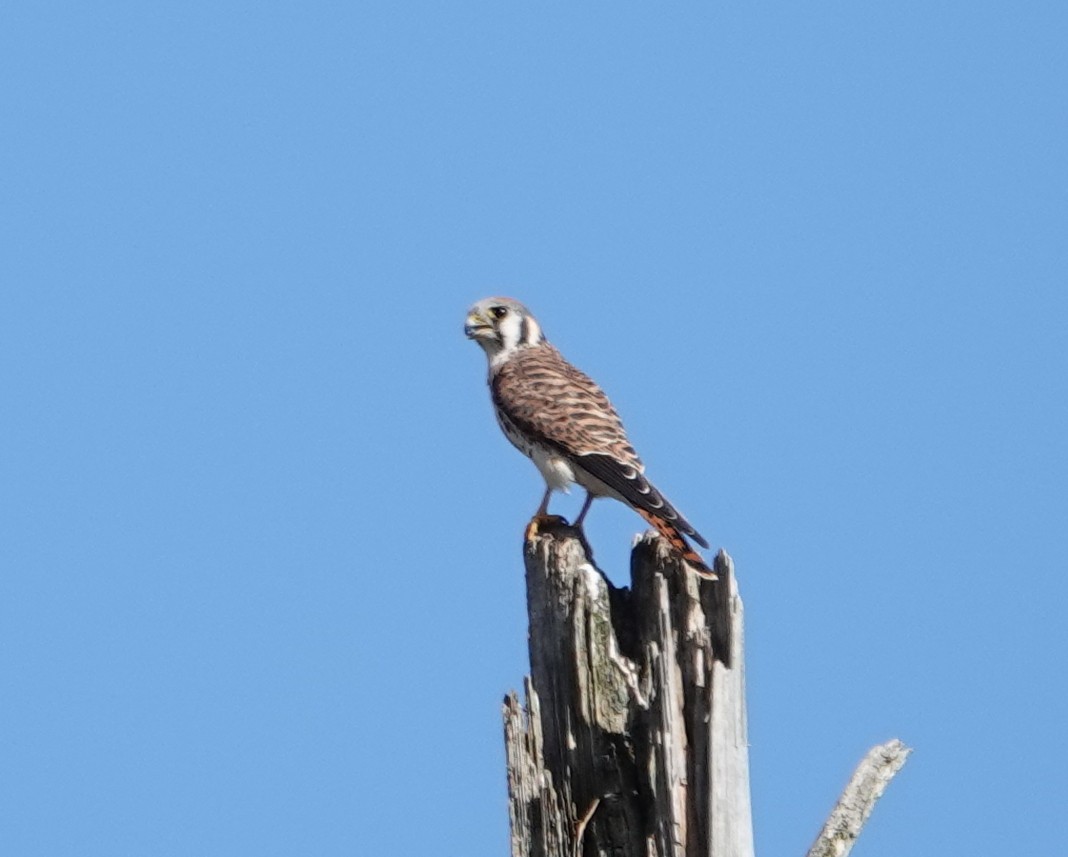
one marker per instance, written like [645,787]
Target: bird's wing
[638,491]
[547,398]
[550,400]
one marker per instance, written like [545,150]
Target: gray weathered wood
[865,787]
[632,742]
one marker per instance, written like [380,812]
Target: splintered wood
[632,740]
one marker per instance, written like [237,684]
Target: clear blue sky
[261,587]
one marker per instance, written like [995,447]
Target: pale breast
[555,469]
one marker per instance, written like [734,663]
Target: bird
[558,417]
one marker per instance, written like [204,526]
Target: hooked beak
[476,326]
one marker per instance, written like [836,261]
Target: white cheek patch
[510,330]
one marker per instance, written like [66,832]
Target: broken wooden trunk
[632,739]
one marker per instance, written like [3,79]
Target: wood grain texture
[865,787]
[632,740]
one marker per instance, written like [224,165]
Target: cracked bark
[632,742]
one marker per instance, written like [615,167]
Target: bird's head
[502,326]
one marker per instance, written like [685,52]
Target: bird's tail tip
[697,537]
[678,541]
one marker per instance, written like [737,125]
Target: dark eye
[499,311]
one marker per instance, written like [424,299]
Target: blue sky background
[261,586]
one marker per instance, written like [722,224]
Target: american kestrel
[558,417]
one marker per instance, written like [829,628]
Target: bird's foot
[539,522]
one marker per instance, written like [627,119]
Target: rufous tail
[679,543]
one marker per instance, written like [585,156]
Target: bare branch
[866,786]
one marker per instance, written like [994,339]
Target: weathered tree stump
[632,741]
